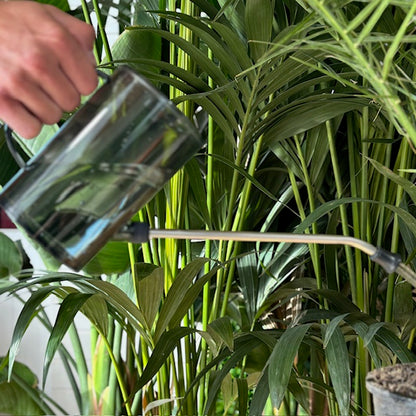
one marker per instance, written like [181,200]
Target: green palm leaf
[339,370]
[173,308]
[25,316]
[281,362]
[11,260]
[70,306]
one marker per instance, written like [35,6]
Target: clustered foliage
[307,111]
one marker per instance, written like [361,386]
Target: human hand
[46,64]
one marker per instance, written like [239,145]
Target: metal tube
[367,248]
[140,233]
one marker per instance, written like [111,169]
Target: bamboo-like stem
[112,380]
[87,19]
[146,252]
[313,249]
[82,368]
[206,295]
[364,207]
[403,163]
[355,207]
[339,190]
[362,224]
[150,251]
[225,250]
[102,32]
[382,209]
[238,224]
[176,216]
[119,375]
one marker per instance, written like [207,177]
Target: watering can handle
[8,132]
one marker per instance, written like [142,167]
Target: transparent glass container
[103,165]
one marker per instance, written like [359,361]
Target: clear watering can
[104,164]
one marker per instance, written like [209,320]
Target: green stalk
[163,388]
[225,249]
[175,217]
[112,381]
[150,249]
[82,369]
[177,373]
[361,225]
[87,19]
[364,208]
[206,294]
[382,209]
[343,209]
[313,248]
[101,30]
[146,251]
[403,164]
[189,341]
[133,260]
[189,353]
[373,9]
[119,375]
[411,339]
[169,248]
[238,224]
[355,206]
[296,195]
[358,215]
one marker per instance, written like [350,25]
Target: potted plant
[393,389]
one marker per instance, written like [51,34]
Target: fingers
[47,64]
[71,42]
[60,89]
[17,117]
[77,66]
[35,99]
[83,32]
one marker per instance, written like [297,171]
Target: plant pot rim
[396,381]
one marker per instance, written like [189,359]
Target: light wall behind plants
[34,343]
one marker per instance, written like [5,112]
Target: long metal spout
[264,238]
[391,262]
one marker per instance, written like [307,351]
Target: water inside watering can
[72,210]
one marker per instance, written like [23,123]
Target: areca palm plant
[301,105]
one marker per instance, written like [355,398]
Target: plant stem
[239,220]
[313,248]
[101,30]
[225,250]
[112,380]
[119,375]
[206,295]
[87,19]
[355,206]
[343,210]
[403,164]
[82,368]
